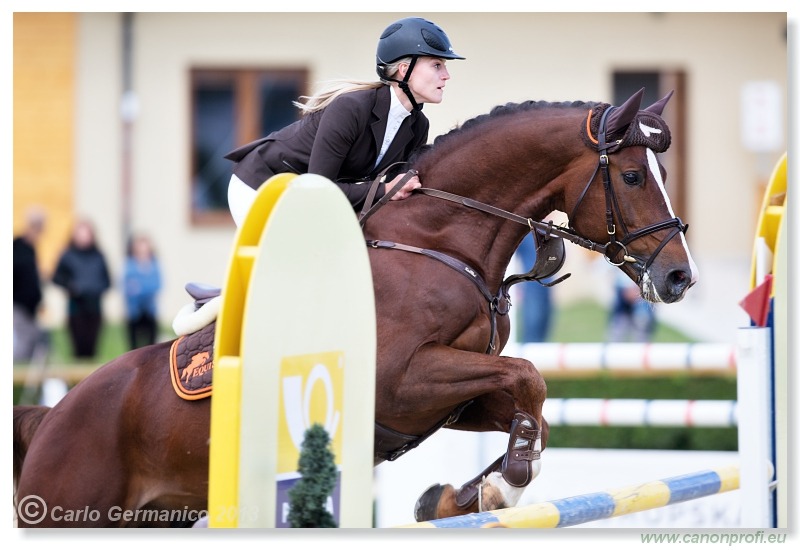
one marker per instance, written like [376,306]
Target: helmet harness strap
[403,84]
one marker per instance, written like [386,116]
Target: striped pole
[627,358]
[641,412]
[580,509]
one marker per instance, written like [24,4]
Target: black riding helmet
[411,37]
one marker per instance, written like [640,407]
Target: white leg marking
[511,494]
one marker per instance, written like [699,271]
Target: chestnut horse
[123,441]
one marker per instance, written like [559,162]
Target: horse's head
[625,203]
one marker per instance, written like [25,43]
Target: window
[231,108]
[657,84]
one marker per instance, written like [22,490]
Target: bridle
[613,248]
[549,237]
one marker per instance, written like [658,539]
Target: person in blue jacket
[141,285]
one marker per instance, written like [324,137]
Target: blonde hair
[332,89]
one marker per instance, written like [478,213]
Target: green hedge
[676,387]
[585,321]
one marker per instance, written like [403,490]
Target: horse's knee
[539,385]
[528,385]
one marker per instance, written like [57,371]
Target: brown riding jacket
[340,142]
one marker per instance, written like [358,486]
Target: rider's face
[428,79]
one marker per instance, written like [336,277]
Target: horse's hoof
[439,502]
[427,505]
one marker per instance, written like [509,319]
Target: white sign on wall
[762,116]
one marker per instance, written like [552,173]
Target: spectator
[632,318]
[27,288]
[535,303]
[141,284]
[83,273]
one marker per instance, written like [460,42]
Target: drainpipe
[129,108]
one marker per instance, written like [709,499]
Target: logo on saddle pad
[191,363]
[200,364]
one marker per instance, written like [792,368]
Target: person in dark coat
[27,288]
[83,273]
[353,131]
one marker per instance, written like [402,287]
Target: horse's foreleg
[508,394]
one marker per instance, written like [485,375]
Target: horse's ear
[658,106]
[623,115]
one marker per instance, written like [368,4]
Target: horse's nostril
[679,281]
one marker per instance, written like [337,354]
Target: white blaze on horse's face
[652,163]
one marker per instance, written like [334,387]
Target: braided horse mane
[499,111]
[657,138]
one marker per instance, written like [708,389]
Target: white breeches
[240,198]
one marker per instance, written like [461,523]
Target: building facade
[111,111]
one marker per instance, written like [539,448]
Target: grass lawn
[586,321]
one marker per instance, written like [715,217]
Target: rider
[353,131]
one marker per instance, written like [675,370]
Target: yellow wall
[44,99]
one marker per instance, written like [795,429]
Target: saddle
[199,313]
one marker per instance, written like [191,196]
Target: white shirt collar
[397,110]
[397,113]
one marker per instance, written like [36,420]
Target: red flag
[756,304]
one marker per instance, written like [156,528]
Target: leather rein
[550,252]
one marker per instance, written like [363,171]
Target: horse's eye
[631,178]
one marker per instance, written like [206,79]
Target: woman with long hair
[353,131]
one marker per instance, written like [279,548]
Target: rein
[548,229]
[549,251]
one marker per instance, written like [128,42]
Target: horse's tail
[26,419]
